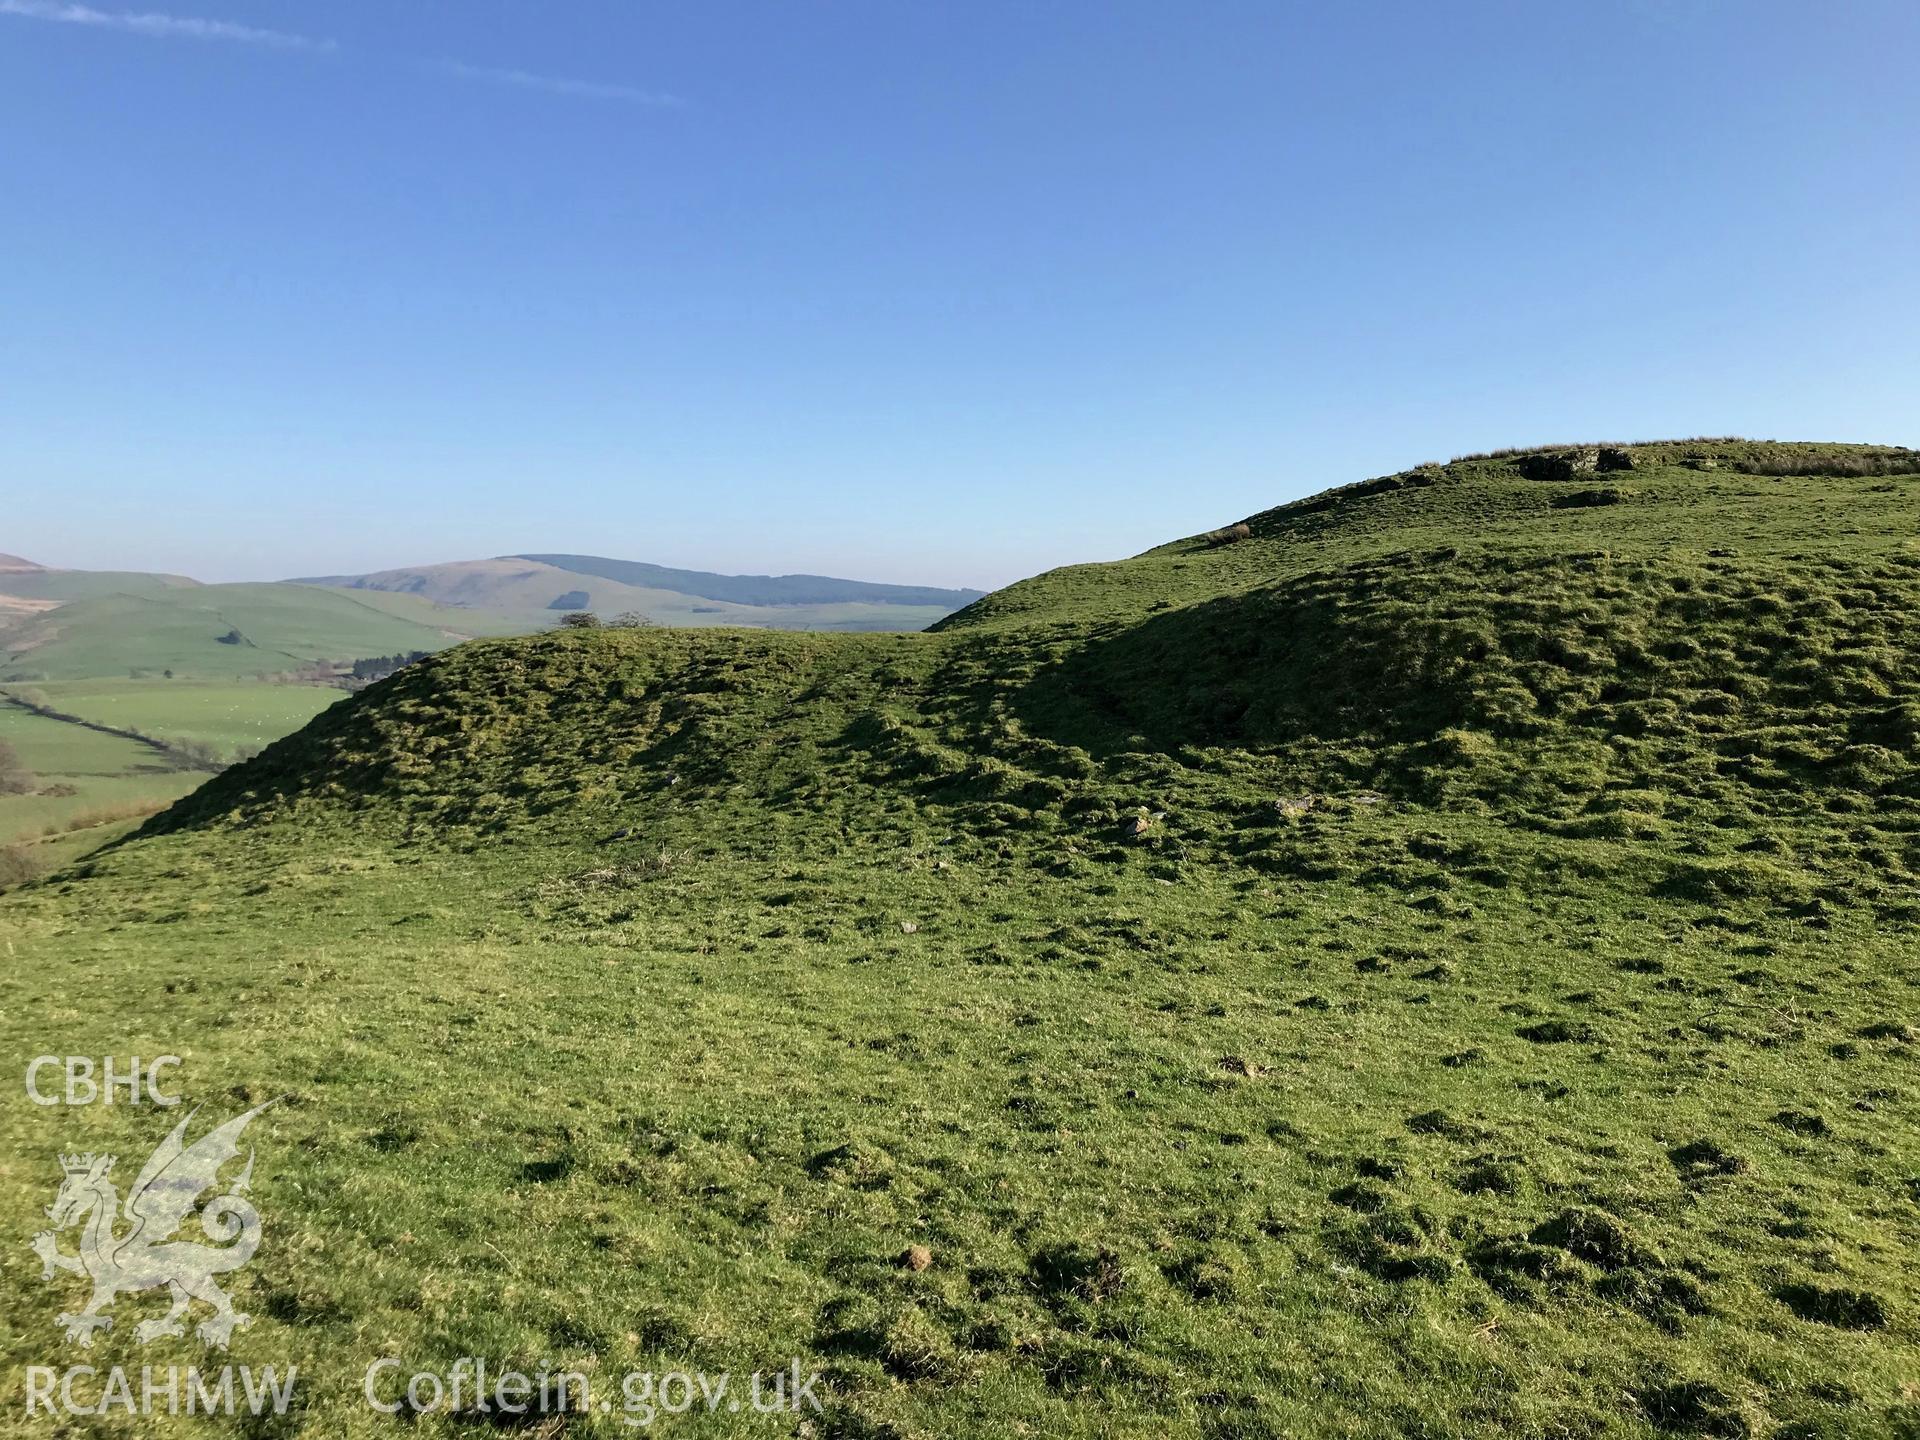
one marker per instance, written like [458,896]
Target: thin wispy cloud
[191,27]
[181,27]
[559,84]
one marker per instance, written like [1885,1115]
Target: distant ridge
[755,589]
[14,563]
[535,590]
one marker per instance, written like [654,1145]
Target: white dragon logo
[173,1179]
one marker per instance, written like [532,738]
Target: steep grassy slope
[1439,965]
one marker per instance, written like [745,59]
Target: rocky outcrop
[1560,464]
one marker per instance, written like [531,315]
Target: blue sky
[924,292]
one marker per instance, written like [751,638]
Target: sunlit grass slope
[1438,965]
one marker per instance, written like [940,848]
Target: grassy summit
[1440,964]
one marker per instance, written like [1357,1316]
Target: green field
[107,773]
[230,632]
[232,718]
[1441,966]
[84,775]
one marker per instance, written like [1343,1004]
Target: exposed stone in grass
[1585,499]
[915,1258]
[1560,465]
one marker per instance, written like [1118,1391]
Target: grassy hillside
[1439,965]
[537,592]
[223,632]
[15,607]
[33,583]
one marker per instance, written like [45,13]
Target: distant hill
[14,606]
[505,584]
[758,589]
[25,580]
[540,587]
[86,624]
